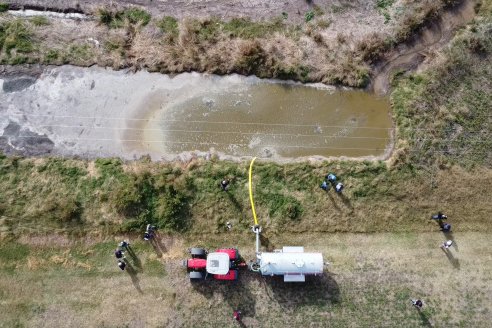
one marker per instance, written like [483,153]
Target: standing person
[236,315]
[339,187]
[124,244]
[439,216]
[418,304]
[325,186]
[118,253]
[224,184]
[445,245]
[331,178]
[446,227]
[121,264]
[149,232]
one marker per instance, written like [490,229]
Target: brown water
[93,112]
[281,120]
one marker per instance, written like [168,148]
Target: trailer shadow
[237,294]
[320,290]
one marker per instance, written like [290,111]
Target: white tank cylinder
[290,263]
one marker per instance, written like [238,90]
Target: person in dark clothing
[331,178]
[237,315]
[118,253]
[224,184]
[325,186]
[124,244]
[418,304]
[439,216]
[339,187]
[149,232]
[446,227]
[121,264]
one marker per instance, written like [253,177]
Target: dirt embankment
[409,55]
[334,41]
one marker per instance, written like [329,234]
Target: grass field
[60,219]
[58,282]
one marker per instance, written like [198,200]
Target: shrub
[15,35]
[169,25]
[116,19]
[252,57]
[372,47]
[309,16]
[51,56]
[383,4]
[4,7]
[171,210]
[137,16]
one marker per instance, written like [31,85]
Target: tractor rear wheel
[196,276]
[198,252]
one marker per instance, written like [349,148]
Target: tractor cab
[223,264]
[218,263]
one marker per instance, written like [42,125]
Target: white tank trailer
[290,262]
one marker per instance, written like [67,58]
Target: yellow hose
[251,190]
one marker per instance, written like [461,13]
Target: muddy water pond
[95,112]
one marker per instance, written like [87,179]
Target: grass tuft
[117,19]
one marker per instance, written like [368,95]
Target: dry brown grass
[312,52]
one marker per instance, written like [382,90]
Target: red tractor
[223,264]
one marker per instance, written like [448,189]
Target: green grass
[448,123]
[384,4]
[117,19]
[40,21]
[4,7]
[309,16]
[168,25]
[212,29]
[16,36]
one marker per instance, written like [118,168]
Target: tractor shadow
[319,290]
[453,260]
[237,294]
